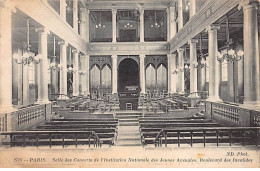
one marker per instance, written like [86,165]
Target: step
[128,113]
[128,116]
[128,120]
[129,124]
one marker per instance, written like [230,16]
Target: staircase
[128,129]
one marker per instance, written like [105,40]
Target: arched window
[95,77]
[150,77]
[106,77]
[162,77]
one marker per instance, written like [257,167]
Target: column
[173,24]
[87,75]
[84,22]
[42,66]
[63,9]
[181,74]
[180,14]
[83,77]
[6,60]
[54,82]
[142,73]
[114,11]
[76,72]
[174,79]
[141,11]
[251,53]
[25,84]
[192,8]
[202,78]
[239,74]
[114,74]
[75,15]
[168,24]
[169,72]
[63,71]
[214,82]
[193,70]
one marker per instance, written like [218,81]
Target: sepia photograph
[129,84]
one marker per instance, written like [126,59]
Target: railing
[3,122]
[255,117]
[33,137]
[25,117]
[243,132]
[230,114]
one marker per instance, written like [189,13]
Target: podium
[130,95]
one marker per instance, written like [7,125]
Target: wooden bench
[38,138]
[230,135]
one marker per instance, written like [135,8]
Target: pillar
[84,23]
[83,77]
[87,74]
[251,53]
[142,73]
[25,84]
[181,83]
[180,14]
[169,72]
[193,70]
[192,8]
[42,66]
[76,72]
[75,15]
[63,71]
[6,60]
[114,11]
[114,74]
[201,78]
[141,11]
[174,78]
[63,9]
[214,69]
[173,24]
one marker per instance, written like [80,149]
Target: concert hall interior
[132,73]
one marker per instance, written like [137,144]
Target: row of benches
[64,132]
[162,130]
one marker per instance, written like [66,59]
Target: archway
[128,74]
[128,83]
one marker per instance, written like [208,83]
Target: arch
[128,74]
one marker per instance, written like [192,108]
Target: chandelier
[53,65]
[156,25]
[202,62]
[70,68]
[128,25]
[228,53]
[28,57]
[99,25]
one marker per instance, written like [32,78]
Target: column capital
[212,28]
[141,11]
[180,50]
[42,30]
[85,10]
[75,51]
[142,56]
[114,11]
[114,56]
[245,4]
[192,41]
[62,43]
